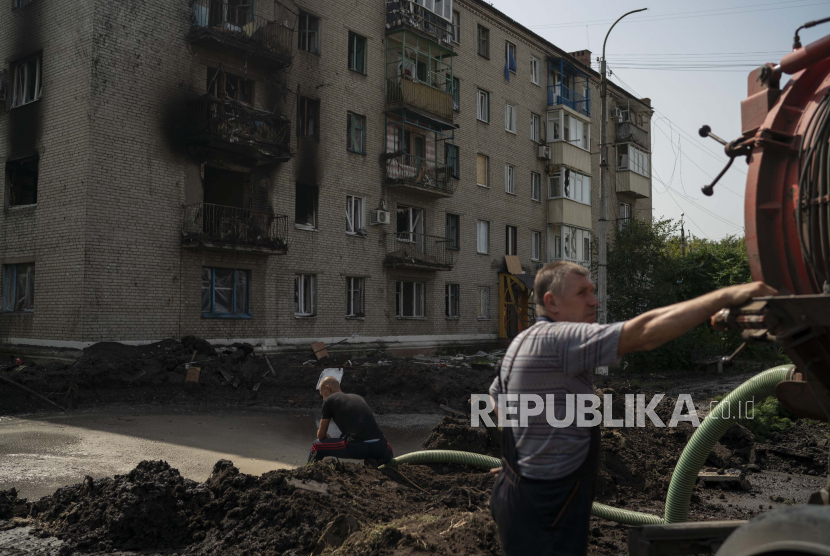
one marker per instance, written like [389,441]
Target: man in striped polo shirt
[542,495]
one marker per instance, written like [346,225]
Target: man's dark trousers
[342,448]
[544,517]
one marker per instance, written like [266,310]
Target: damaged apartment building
[388,172]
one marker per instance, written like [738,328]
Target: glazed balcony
[232,127]
[217,227]
[230,24]
[405,14]
[428,177]
[418,251]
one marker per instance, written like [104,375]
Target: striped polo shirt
[555,358]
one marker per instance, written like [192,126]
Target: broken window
[225,85]
[19,288]
[309,33]
[453,159]
[27,81]
[409,299]
[225,292]
[510,240]
[305,295]
[354,297]
[451,300]
[354,215]
[484,302]
[22,179]
[305,208]
[483,41]
[453,231]
[357,52]
[410,223]
[356,139]
[308,118]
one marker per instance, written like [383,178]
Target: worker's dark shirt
[352,416]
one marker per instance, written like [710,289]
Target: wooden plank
[193,374]
[319,349]
[514,266]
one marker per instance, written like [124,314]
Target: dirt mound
[802,448]
[282,512]
[12,506]
[110,372]
[456,434]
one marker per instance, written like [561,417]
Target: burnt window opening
[227,188]
[231,15]
[305,207]
[308,37]
[308,118]
[20,3]
[225,86]
[22,179]
[27,86]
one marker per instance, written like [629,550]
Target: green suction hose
[685,473]
[709,432]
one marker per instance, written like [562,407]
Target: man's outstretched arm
[658,326]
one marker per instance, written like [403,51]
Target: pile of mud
[157,373]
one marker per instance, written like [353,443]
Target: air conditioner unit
[379,216]
[544,152]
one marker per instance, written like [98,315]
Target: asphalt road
[41,453]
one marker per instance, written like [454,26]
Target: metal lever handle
[706,131]
[708,190]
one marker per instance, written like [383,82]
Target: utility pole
[603,197]
[682,237]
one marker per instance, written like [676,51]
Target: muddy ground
[332,508]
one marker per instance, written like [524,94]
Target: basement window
[305,207]
[305,295]
[226,293]
[21,175]
[19,288]
[409,299]
[27,81]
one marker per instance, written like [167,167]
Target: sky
[692,60]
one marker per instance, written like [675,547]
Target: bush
[769,416]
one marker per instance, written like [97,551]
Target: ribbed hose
[709,432]
[685,473]
[626,517]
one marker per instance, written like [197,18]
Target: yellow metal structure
[517,310]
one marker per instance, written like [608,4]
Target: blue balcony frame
[560,93]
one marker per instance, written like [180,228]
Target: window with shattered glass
[225,292]
[18,288]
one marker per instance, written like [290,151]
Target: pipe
[709,432]
[799,59]
[685,473]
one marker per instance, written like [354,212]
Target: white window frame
[510,118]
[625,215]
[510,179]
[567,243]
[535,245]
[308,39]
[483,106]
[579,187]
[535,186]
[535,73]
[578,130]
[511,239]
[483,237]
[302,284]
[441,8]
[355,288]
[634,158]
[483,312]
[452,301]
[486,170]
[21,95]
[507,49]
[535,128]
[456,27]
[418,309]
[355,215]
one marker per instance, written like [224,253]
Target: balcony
[231,25]
[405,14]
[418,251]
[572,213]
[428,177]
[564,153]
[405,91]
[628,132]
[561,95]
[633,183]
[231,127]
[218,227]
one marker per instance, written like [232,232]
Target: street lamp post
[603,197]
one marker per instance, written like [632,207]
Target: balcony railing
[208,225]
[232,23]
[628,132]
[235,122]
[410,170]
[405,13]
[412,250]
[433,98]
[559,94]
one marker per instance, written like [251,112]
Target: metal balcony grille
[409,249]
[401,168]
[231,227]
[233,21]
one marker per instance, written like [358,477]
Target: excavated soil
[110,372]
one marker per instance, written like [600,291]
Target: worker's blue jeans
[342,448]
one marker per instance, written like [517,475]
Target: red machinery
[786,139]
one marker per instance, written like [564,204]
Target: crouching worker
[361,438]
